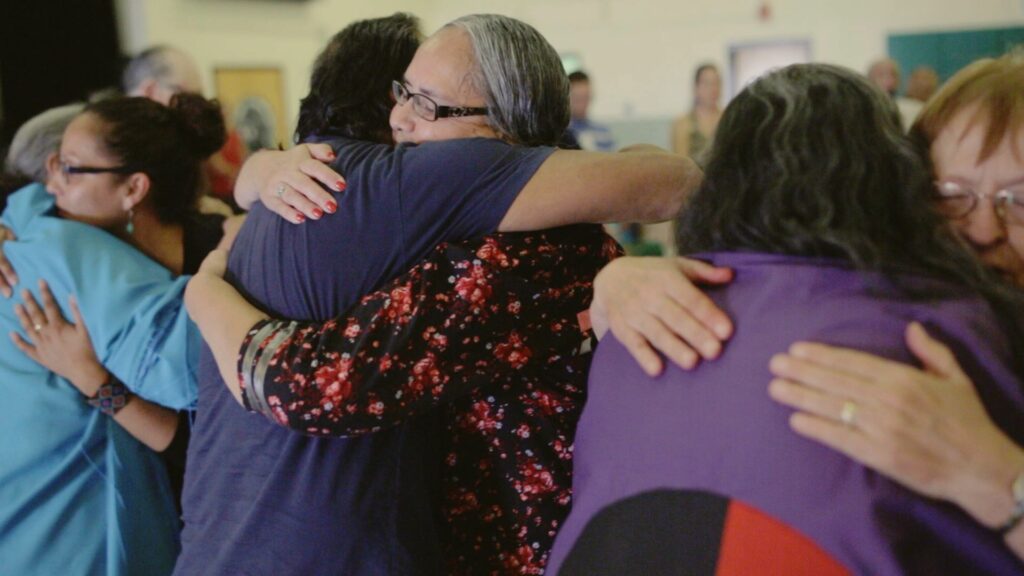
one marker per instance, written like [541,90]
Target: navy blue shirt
[260,499]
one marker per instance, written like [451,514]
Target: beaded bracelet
[111,396]
[1018,511]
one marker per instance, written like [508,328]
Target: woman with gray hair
[507,428]
[36,140]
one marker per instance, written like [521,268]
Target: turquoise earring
[130,226]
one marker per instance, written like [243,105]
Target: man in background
[160,72]
[885,73]
[589,135]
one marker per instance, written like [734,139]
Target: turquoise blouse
[78,494]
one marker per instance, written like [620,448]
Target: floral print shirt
[489,333]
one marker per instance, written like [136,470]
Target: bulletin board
[948,52]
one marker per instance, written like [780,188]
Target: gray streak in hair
[152,63]
[520,76]
[38,138]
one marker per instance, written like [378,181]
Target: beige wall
[236,33]
[640,52]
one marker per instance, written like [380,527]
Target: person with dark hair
[692,134]
[338,106]
[821,207]
[589,134]
[927,427]
[504,485]
[85,490]
[160,72]
[951,448]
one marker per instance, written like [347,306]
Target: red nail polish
[300,218]
[332,207]
[341,185]
[317,213]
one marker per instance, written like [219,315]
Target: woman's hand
[652,303]
[8,278]
[927,429]
[288,182]
[56,344]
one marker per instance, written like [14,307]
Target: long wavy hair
[350,88]
[811,160]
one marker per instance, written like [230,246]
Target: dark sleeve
[446,327]
[461,189]
[447,191]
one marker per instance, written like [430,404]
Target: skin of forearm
[1015,540]
[88,378]
[152,425]
[669,182]
[224,318]
[642,184]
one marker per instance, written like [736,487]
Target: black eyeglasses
[429,110]
[958,200]
[67,169]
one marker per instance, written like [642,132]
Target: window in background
[749,61]
[571,62]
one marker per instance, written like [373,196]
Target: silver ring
[38,327]
[280,190]
[848,415]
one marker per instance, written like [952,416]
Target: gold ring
[848,415]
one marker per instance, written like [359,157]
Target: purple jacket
[716,431]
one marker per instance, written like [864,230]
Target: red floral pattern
[486,331]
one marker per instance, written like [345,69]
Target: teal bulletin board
[948,52]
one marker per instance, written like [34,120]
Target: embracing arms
[66,349]
[639,184]
[467,316]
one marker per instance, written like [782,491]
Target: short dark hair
[167,143]
[578,76]
[350,88]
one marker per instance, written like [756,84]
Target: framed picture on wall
[253,103]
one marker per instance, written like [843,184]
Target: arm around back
[638,184]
